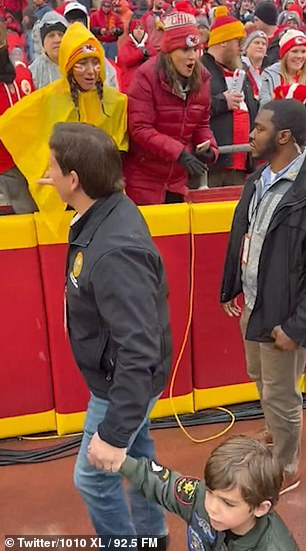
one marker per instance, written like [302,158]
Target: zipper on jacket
[108,376]
[283,207]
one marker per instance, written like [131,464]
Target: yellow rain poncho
[26,127]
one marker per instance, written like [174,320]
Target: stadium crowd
[195,74]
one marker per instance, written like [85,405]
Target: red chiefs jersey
[10,94]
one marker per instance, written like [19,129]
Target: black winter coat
[117,313]
[221,119]
[272,55]
[281,285]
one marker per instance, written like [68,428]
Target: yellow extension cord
[178,361]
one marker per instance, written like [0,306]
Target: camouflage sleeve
[175,492]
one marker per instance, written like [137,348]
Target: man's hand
[104,456]
[233,99]
[46,179]
[232,308]
[282,341]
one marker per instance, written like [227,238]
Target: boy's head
[243,480]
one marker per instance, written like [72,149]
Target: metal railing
[223,150]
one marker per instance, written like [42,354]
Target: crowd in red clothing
[241,54]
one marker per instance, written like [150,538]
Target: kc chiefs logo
[88,49]
[300,40]
[192,40]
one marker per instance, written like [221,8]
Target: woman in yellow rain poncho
[79,96]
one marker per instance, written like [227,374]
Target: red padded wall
[25,376]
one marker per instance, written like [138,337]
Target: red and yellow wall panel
[170,228]
[26,404]
[70,392]
[42,388]
[219,371]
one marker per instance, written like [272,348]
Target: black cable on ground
[243,412]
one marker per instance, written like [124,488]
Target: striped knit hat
[291,39]
[180,31]
[225,27]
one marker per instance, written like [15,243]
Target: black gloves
[205,156]
[117,31]
[192,165]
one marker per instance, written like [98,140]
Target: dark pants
[174,197]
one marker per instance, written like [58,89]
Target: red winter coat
[99,20]
[130,57]
[10,94]
[161,124]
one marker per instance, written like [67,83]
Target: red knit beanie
[135,22]
[180,31]
[291,39]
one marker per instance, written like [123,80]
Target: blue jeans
[111,513]
[110,50]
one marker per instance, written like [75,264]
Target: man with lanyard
[266,261]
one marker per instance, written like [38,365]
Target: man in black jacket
[118,324]
[265,19]
[266,260]
[233,109]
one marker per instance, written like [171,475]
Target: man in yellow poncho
[79,96]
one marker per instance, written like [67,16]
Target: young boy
[232,509]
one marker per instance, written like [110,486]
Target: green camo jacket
[184,496]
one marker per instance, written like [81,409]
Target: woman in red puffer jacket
[168,118]
[133,53]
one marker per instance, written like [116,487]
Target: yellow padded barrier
[68,423]
[231,394]
[162,220]
[27,424]
[212,217]
[182,404]
[45,232]
[167,219]
[223,395]
[17,232]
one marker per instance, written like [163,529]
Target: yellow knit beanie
[225,27]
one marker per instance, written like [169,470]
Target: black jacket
[281,285]
[117,313]
[221,119]
[272,55]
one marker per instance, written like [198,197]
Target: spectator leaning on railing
[80,95]
[168,118]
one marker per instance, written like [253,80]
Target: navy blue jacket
[117,313]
